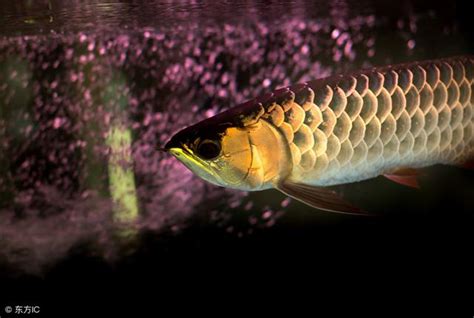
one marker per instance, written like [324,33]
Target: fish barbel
[382,121]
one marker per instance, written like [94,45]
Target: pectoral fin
[407,177]
[318,197]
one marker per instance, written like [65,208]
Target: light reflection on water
[72,15]
[83,109]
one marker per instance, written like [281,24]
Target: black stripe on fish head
[241,116]
[191,135]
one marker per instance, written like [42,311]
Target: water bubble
[58,122]
[267,214]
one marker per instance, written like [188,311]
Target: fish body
[339,129]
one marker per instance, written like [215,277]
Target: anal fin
[318,197]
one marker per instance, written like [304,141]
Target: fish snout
[172,143]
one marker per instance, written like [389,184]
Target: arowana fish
[340,129]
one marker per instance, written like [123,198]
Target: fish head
[219,153]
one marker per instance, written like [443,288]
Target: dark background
[417,253]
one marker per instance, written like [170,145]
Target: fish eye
[208,149]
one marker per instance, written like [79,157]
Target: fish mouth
[172,143]
[182,152]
